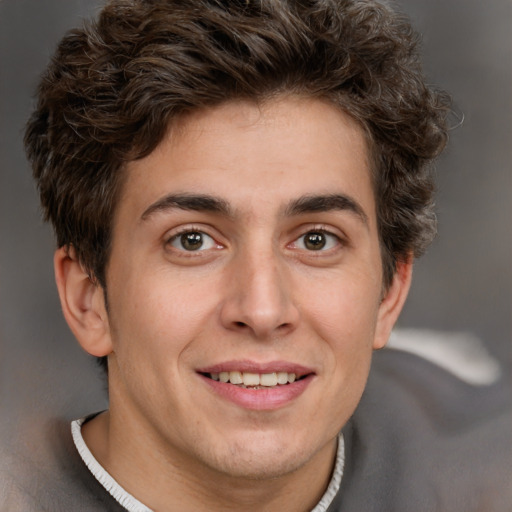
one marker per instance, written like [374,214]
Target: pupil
[192,241]
[315,241]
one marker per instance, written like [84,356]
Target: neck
[169,480]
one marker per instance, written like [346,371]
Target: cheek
[344,317]
[161,313]
[345,307]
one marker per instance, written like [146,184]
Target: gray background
[463,283]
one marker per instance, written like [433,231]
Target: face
[245,287]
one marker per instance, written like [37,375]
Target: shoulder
[60,482]
[425,439]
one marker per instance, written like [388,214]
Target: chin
[260,468]
[262,458]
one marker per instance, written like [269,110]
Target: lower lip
[263,399]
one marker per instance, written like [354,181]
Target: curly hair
[114,85]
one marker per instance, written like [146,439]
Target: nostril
[240,324]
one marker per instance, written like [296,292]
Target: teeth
[282,378]
[268,379]
[235,378]
[255,379]
[251,379]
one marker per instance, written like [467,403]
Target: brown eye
[315,241]
[193,241]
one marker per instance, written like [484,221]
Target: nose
[258,298]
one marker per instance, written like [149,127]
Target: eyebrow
[192,202]
[325,203]
[299,206]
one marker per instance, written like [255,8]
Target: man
[238,191]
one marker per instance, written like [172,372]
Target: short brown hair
[114,85]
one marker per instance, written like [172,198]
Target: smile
[255,386]
[254,380]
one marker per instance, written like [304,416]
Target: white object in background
[461,353]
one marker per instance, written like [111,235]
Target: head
[114,86]
[121,93]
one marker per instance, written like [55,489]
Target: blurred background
[463,284]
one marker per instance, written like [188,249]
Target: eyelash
[189,231]
[335,241]
[338,241]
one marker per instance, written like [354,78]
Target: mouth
[258,386]
[251,380]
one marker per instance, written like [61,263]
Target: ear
[83,303]
[393,302]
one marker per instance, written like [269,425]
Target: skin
[254,291]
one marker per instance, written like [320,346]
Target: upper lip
[257,367]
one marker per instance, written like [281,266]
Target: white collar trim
[123,497]
[132,504]
[334,484]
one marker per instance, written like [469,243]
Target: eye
[317,241]
[193,241]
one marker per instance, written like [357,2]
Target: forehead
[255,154]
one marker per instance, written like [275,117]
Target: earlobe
[83,303]
[393,302]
